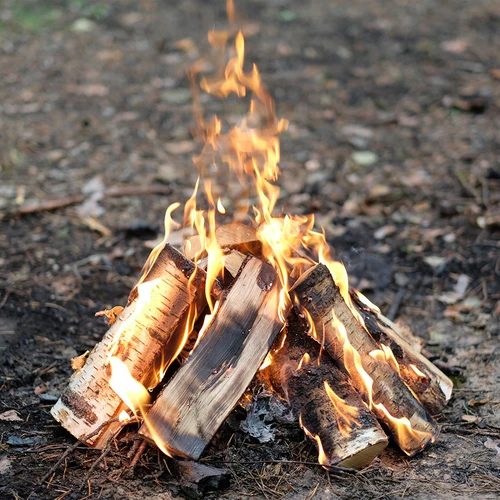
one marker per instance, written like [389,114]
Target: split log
[192,406]
[234,236]
[432,387]
[146,336]
[392,401]
[197,480]
[344,430]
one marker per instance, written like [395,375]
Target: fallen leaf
[364,158]
[492,445]
[10,416]
[78,362]
[40,389]
[5,464]
[180,147]
[471,419]
[458,46]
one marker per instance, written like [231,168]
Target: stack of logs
[309,366]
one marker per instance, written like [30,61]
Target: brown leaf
[10,416]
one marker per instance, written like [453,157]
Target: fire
[250,151]
[322,457]
[417,371]
[346,415]
[305,360]
[132,392]
[386,354]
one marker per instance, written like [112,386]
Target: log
[234,236]
[345,432]
[432,387]
[192,406]
[338,330]
[146,336]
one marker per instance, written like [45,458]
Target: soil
[394,144]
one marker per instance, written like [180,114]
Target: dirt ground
[394,143]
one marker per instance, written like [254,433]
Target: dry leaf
[471,419]
[10,416]
[78,362]
[5,465]
[40,389]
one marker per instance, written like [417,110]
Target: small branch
[65,201]
[74,446]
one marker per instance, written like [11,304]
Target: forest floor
[393,142]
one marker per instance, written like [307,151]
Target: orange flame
[131,392]
[322,458]
[346,415]
[305,360]
[386,354]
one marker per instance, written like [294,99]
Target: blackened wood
[352,444]
[146,336]
[318,293]
[192,406]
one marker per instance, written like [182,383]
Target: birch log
[344,430]
[392,401]
[146,336]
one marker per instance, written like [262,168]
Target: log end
[366,455]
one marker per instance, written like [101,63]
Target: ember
[242,296]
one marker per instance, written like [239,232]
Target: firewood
[146,336]
[193,405]
[392,401]
[432,387]
[347,434]
[230,236]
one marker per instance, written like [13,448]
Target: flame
[406,435]
[417,371]
[305,360]
[385,354]
[322,458]
[250,152]
[346,415]
[365,301]
[123,416]
[131,392]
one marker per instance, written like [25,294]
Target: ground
[393,142]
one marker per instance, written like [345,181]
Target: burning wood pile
[259,293]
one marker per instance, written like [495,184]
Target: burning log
[432,387]
[351,345]
[193,405]
[143,340]
[331,411]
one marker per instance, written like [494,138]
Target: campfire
[259,295]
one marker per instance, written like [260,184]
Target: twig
[396,303]
[138,454]
[333,469]
[73,447]
[65,201]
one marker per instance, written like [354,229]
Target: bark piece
[193,405]
[196,480]
[432,387]
[147,335]
[349,434]
[318,293]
